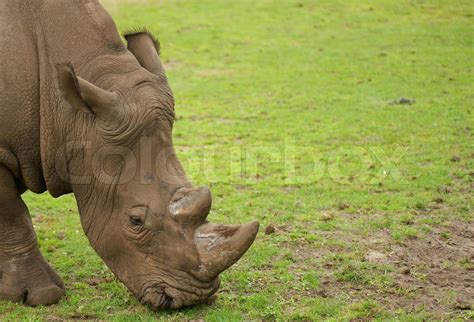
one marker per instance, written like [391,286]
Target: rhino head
[140,213]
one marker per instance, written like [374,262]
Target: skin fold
[83,113]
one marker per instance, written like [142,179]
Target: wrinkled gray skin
[82,113]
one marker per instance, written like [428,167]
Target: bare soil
[434,273]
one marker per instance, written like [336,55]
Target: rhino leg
[24,274]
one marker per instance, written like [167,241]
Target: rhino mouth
[158,297]
[219,247]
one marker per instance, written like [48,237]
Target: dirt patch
[270,229]
[403,101]
[434,273]
[442,262]
[94,281]
[84,317]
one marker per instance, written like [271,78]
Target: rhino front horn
[220,246]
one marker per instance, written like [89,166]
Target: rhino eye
[136,221]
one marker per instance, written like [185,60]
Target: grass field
[291,112]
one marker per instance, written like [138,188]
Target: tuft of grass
[367,309]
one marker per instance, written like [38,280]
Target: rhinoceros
[84,112]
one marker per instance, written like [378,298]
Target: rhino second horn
[220,246]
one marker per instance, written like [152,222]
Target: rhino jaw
[220,246]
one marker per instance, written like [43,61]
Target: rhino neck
[82,34]
[61,148]
[67,133]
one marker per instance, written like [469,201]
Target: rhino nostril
[168,302]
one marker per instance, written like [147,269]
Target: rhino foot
[32,282]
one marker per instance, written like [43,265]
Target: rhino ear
[146,49]
[86,96]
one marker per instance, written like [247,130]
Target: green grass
[285,109]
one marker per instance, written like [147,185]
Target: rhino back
[39,35]
[19,94]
